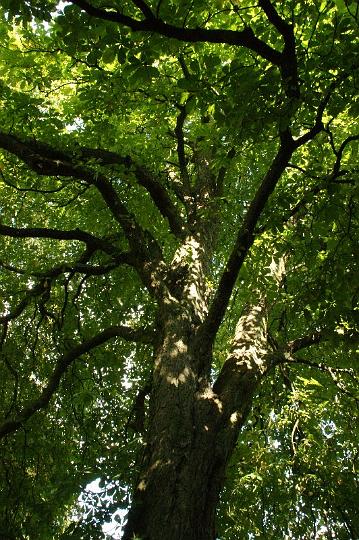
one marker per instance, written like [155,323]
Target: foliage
[101,126]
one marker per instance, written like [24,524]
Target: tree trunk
[192,431]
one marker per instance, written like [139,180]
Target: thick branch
[247,363]
[243,38]
[76,268]
[319,336]
[246,234]
[158,193]
[48,161]
[141,335]
[45,160]
[91,241]
[289,68]
[275,19]
[245,238]
[304,341]
[286,60]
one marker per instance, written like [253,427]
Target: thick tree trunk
[191,434]
[171,497]
[177,495]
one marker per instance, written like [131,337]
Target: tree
[179,233]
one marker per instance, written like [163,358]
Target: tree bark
[193,428]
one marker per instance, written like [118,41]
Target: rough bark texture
[193,429]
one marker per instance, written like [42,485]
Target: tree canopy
[169,170]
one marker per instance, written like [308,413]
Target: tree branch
[42,288]
[304,341]
[245,239]
[339,154]
[275,19]
[289,67]
[318,337]
[38,290]
[246,234]
[324,183]
[45,160]
[143,335]
[318,125]
[77,268]
[144,8]
[243,38]
[158,193]
[91,241]
[333,372]
[248,362]
[181,150]
[223,171]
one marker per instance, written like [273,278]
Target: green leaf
[109,56]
